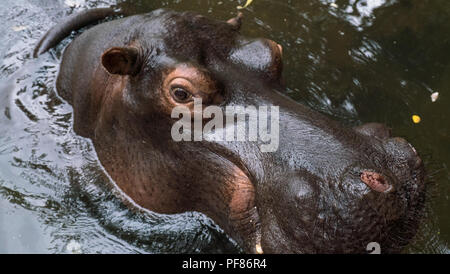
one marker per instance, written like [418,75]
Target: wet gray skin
[124,78]
[90,203]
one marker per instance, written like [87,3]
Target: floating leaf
[434,96]
[246,5]
[19,28]
[416,119]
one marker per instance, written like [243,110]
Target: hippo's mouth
[387,213]
[242,222]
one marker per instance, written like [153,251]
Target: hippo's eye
[180,94]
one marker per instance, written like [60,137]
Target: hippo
[327,188]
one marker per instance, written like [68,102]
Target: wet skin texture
[327,189]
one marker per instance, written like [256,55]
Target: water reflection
[359,13]
[355,60]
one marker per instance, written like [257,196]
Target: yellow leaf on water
[416,119]
[246,5]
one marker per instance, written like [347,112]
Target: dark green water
[358,61]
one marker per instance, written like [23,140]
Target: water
[357,61]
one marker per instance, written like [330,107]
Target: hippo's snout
[344,195]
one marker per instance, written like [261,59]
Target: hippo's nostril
[403,150]
[376,181]
[405,144]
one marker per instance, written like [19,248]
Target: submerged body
[327,189]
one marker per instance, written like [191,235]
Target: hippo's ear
[122,61]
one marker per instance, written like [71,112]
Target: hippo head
[325,188]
